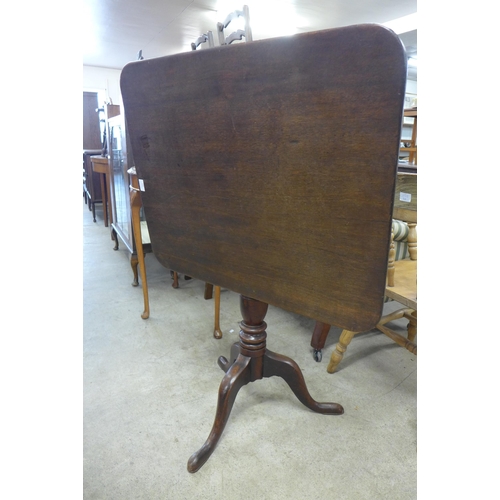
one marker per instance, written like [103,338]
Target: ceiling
[115,31]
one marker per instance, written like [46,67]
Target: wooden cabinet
[91,182]
[405,196]
[91,129]
[409,146]
[91,146]
[93,142]
[120,161]
[109,110]
[100,166]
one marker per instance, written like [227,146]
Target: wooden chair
[401,287]
[239,33]
[207,37]
[141,234]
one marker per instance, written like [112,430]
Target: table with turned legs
[266,168]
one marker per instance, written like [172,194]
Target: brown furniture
[403,291]
[109,110]
[410,145]
[94,181]
[91,146]
[120,161]
[405,207]
[228,39]
[401,287]
[91,181]
[217,328]
[141,235]
[91,127]
[275,205]
[402,284]
[405,196]
[100,165]
[141,238]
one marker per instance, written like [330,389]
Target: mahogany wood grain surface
[269,167]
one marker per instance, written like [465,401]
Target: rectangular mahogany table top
[269,167]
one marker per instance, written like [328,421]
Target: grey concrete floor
[150,391]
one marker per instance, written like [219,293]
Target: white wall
[104,80]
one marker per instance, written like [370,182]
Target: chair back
[239,33]
[205,37]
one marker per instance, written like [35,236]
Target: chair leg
[217,330]
[412,326]
[134,263]
[135,203]
[337,355]
[412,240]
[209,289]
[175,277]
[390,263]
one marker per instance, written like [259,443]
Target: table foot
[134,262]
[224,363]
[236,377]
[286,368]
[114,237]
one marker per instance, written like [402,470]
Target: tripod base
[250,361]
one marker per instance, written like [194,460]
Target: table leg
[135,202]
[114,237]
[108,195]
[134,262]
[104,200]
[318,339]
[250,361]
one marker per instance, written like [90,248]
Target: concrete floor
[150,391]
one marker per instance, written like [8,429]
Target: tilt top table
[269,169]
